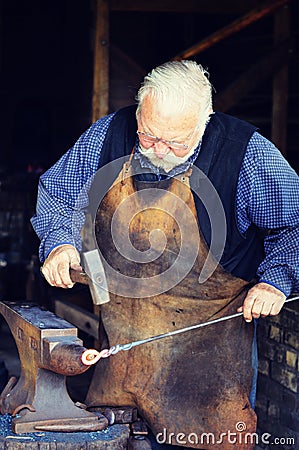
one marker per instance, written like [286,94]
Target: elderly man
[177,144]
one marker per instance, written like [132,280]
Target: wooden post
[280,84]
[100,98]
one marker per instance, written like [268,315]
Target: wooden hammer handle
[78,277]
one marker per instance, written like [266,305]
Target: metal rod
[123,347]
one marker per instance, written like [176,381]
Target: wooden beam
[234,27]
[195,6]
[100,98]
[258,73]
[280,84]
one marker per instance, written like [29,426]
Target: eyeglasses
[145,137]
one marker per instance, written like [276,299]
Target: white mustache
[169,162]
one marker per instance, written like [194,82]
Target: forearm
[55,238]
[62,192]
[268,198]
[280,268]
[56,222]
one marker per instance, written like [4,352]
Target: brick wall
[277,404]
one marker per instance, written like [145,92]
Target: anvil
[49,350]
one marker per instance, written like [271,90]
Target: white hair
[177,87]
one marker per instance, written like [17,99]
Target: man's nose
[161,149]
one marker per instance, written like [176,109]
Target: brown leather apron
[195,383]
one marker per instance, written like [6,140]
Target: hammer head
[96,276]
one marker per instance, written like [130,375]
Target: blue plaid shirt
[267,195]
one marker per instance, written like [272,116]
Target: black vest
[220,158]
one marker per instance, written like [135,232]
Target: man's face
[169,131]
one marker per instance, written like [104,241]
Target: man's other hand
[56,268]
[262,300]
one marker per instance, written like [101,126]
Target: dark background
[46,69]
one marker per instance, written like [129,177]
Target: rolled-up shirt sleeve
[63,191]
[268,196]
